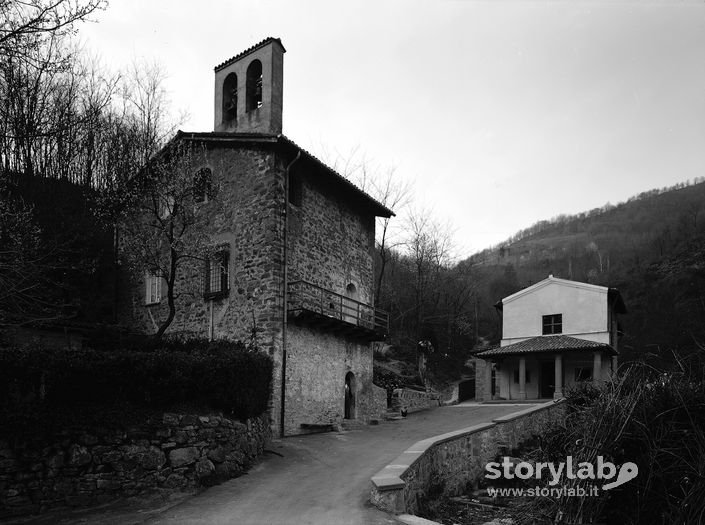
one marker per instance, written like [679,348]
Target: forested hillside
[651,247]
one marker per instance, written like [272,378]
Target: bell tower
[249,90]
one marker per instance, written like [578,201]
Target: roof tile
[247,51]
[549,343]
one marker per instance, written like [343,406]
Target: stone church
[295,255]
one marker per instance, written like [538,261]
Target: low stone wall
[379,401]
[414,400]
[480,376]
[452,460]
[86,467]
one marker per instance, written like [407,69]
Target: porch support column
[596,367]
[487,394]
[522,378]
[558,381]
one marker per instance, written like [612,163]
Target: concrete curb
[410,519]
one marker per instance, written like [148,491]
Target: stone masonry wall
[450,461]
[414,400]
[379,408]
[85,467]
[330,243]
[480,371]
[317,363]
[245,216]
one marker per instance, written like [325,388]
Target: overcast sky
[502,112]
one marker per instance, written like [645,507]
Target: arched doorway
[349,396]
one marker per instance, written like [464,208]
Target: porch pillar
[522,378]
[558,383]
[487,394]
[596,367]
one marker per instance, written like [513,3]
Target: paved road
[324,478]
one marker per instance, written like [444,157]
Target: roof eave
[520,349]
[249,50]
[554,280]
[380,210]
[376,207]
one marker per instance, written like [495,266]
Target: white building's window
[153,286]
[552,324]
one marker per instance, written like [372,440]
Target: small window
[527,376]
[254,85]
[552,324]
[202,185]
[295,190]
[230,98]
[351,291]
[153,286]
[217,275]
[583,374]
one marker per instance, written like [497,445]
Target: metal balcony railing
[307,297]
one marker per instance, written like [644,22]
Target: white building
[554,334]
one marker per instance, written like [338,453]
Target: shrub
[387,380]
[656,420]
[42,388]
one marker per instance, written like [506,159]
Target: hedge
[39,386]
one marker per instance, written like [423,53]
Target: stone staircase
[392,414]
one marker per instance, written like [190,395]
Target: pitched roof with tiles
[248,51]
[545,344]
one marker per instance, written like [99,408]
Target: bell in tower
[249,90]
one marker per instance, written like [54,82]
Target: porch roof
[546,344]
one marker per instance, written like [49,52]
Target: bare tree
[19,251]
[389,189]
[148,104]
[23,23]
[428,248]
[395,194]
[165,230]
[63,117]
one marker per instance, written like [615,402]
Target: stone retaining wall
[414,400]
[88,467]
[450,461]
[379,401]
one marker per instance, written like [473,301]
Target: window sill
[215,296]
[156,303]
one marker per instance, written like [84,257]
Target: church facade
[293,270]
